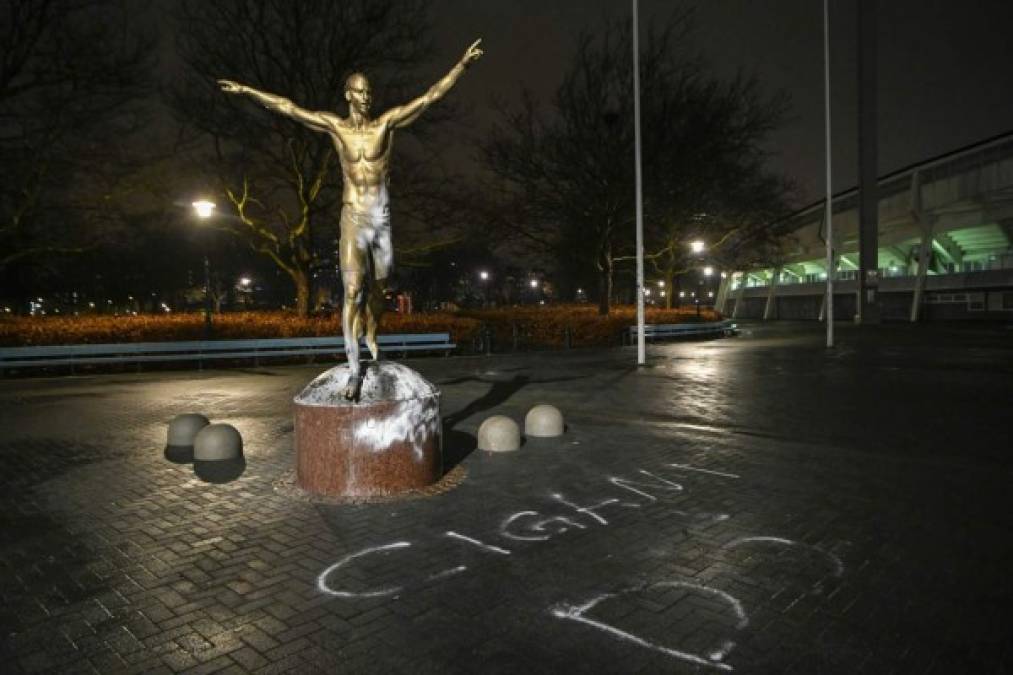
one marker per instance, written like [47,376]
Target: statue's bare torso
[364,152]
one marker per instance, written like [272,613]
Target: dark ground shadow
[220,471]
[457,444]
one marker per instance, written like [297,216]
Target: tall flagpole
[828,216]
[641,347]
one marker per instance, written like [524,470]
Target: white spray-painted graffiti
[835,562]
[529,526]
[322,579]
[412,421]
[579,613]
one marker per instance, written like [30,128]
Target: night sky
[945,68]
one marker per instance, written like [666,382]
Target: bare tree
[567,173]
[73,76]
[282,181]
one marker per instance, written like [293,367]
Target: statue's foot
[353,388]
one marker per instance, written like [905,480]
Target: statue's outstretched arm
[404,115]
[318,121]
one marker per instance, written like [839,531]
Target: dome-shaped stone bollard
[218,453]
[543,421]
[499,433]
[183,429]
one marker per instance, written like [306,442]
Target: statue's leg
[374,312]
[351,322]
[382,258]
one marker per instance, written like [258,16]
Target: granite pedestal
[387,442]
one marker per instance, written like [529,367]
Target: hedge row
[50,330]
[548,326]
[535,326]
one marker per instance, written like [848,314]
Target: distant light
[710,294]
[823,275]
[91,304]
[580,291]
[130,297]
[708,271]
[245,281]
[661,284]
[204,208]
[647,291]
[662,294]
[541,302]
[483,275]
[682,294]
[696,246]
[38,299]
[724,274]
[534,283]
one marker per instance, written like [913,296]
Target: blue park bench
[203,350]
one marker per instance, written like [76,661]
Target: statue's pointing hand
[230,87]
[473,54]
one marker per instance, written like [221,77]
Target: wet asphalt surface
[752,504]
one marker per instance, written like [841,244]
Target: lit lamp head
[696,246]
[534,283]
[708,271]
[204,208]
[483,275]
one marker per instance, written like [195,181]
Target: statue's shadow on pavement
[457,445]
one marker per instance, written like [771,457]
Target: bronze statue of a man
[363,144]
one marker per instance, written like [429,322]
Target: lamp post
[697,247]
[483,276]
[246,287]
[205,209]
[638,171]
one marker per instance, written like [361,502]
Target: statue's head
[358,94]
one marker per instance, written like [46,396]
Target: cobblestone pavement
[753,504]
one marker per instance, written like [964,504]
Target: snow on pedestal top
[386,381]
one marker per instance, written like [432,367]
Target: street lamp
[205,209]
